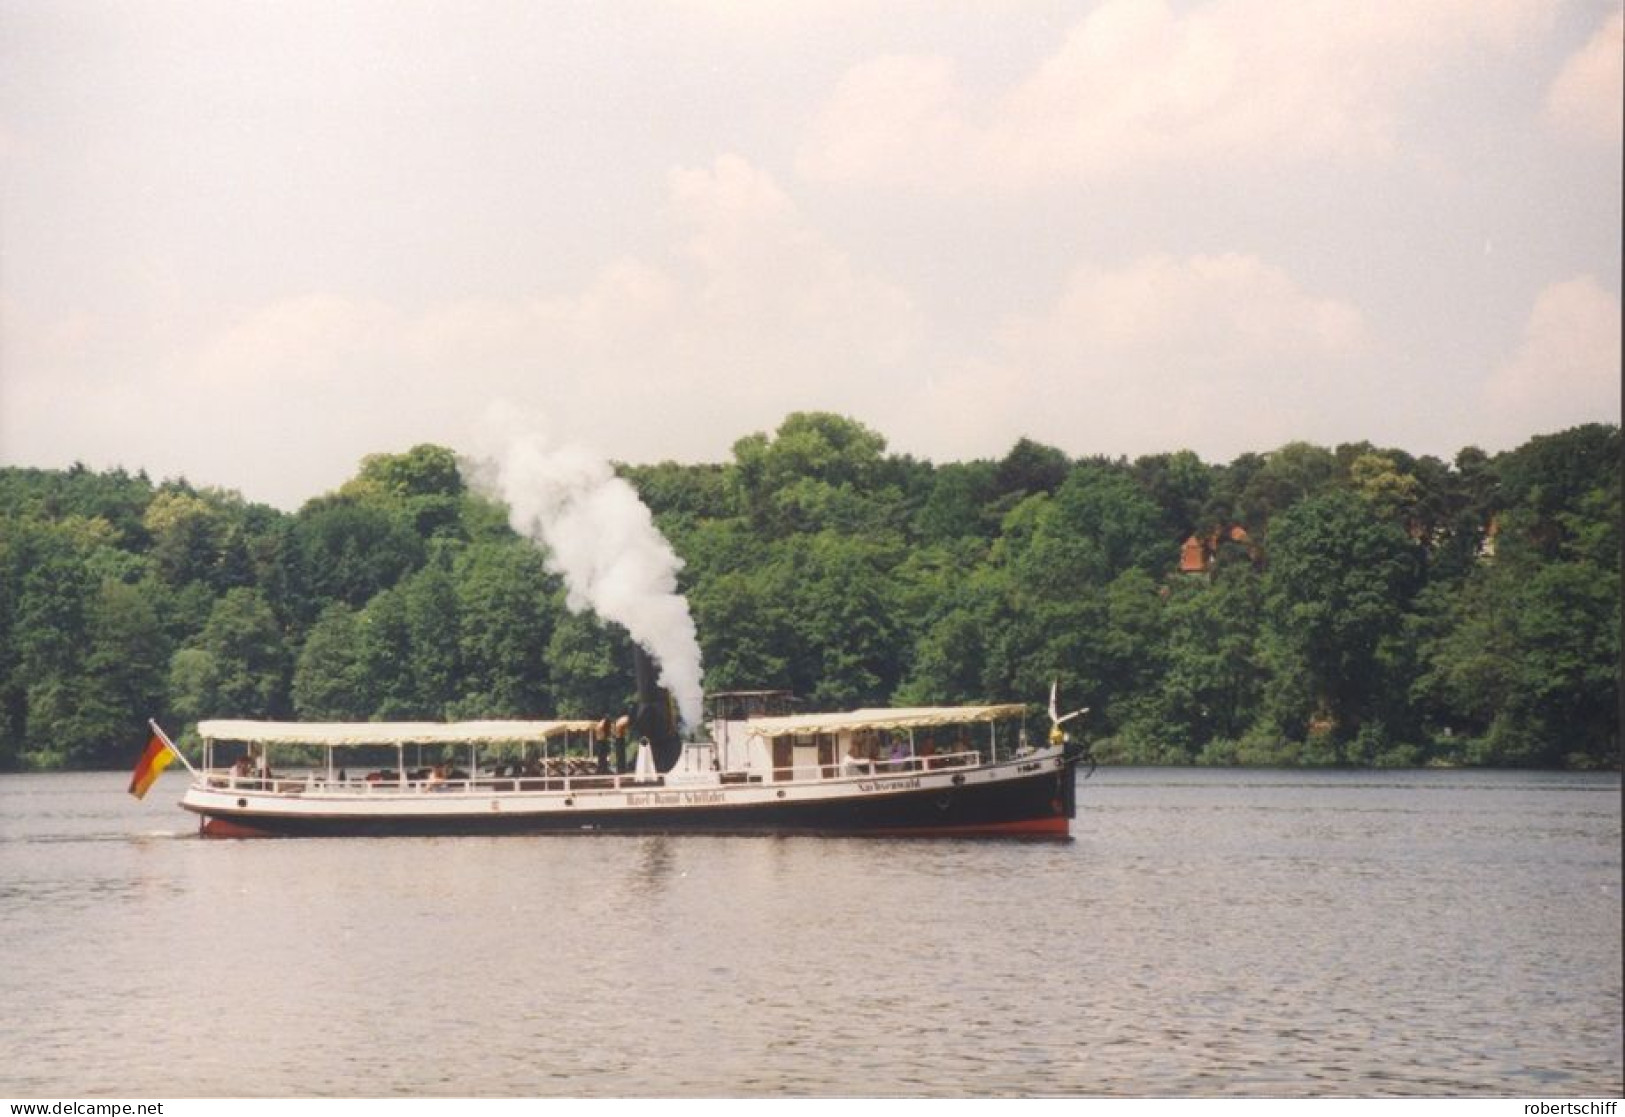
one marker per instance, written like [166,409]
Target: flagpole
[170,745]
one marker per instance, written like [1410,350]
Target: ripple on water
[1206,934]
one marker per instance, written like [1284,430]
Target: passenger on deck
[898,757]
[242,769]
[437,778]
[856,763]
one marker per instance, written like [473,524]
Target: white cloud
[1214,353]
[294,344]
[1566,370]
[1585,101]
[757,267]
[750,313]
[1137,86]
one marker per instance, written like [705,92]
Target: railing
[570,775]
[417,783]
[848,768]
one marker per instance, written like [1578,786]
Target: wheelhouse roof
[330,734]
[916,717]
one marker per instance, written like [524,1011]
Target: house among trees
[1198,553]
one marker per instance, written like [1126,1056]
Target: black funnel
[655,717]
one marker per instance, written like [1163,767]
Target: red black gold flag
[152,763]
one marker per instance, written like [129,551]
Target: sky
[249,243]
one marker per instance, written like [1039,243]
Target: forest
[1353,606]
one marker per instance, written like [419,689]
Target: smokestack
[655,718]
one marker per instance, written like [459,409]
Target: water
[1207,933]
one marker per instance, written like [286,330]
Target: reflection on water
[1207,933]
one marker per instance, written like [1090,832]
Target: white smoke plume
[603,541]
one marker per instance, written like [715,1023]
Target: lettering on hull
[675,798]
[889,785]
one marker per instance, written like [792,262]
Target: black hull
[1035,806]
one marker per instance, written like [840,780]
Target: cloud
[1567,368]
[1585,100]
[1215,353]
[751,312]
[1137,86]
[298,343]
[747,314]
[759,268]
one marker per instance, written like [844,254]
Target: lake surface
[1207,933]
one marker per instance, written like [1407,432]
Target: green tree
[1391,492]
[385,658]
[186,533]
[818,471]
[1181,487]
[1030,468]
[422,488]
[1096,526]
[344,550]
[329,683]
[949,665]
[51,592]
[590,663]
[1550,477]
[687,494]
[241,664]
[1210,690]
[1521,661]
[505,604]
[434,624]
[1339,583]
[1285,477]
[745,630]
[124,679]
[842,615]
[960,503]
[1380,601]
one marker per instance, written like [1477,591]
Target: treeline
[1354,605]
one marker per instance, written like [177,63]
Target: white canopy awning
[330,734]
[916,717]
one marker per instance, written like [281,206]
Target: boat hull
[1033,798]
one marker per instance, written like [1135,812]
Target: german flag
[151,764]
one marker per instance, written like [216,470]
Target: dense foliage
[1347,606]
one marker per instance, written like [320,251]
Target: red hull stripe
[226,828]
[1033,827]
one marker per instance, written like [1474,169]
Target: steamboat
[761,769]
